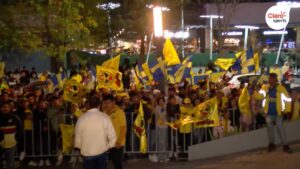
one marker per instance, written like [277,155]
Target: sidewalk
[259,159]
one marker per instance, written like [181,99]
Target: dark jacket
[11,130]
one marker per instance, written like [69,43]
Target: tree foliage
[53,26]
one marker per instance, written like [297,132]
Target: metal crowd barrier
[49,145]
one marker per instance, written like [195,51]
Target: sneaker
[48,164]
[154,158]
[59,162]
[22,156]
[73,160]
[32,164]
[287,149]
[41,163]
[150,157]
[60,156]
[271,147]
[80,159]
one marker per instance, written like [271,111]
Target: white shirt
[94,133]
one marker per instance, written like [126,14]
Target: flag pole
[280,45]
[149,48]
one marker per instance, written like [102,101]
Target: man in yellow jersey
[187,110]
[118,119]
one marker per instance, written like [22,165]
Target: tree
[51,26]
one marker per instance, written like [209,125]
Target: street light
[108,7]
[246,27]
[211,17]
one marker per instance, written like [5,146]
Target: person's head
[93,102]
[43,104]
[273,79]
[6,107]
[23,74]
[38,92]
[172,100]
[161,102]
[25,103]
[197,101]
[187,102]
[55,101]
[31,99]
[108,103]
[34,75]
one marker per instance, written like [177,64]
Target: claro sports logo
[277,17]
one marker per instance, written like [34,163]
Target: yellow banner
[109,79]
[112,63]
[206,116]
[67,132]
[139,128]
[73,91]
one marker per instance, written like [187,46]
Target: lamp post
[158,32]
[211,17]
[108,7]
[247,28]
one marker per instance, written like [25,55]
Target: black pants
[116,155]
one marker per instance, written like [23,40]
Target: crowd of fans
[37,109]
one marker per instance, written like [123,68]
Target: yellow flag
[244,102]
[207,113]
[67,132]
[77,77]
[206,116]
[215,77]
[139,128]
[224,63]
[112,63]
[256,61]
[147,72]
[73,91]
[170,54]
[109,79]
[2,67]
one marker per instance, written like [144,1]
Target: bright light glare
[246,26]
[289,3]
[275,32]
[234,33]
[211,16]
[157,15]
[177,35]
[108,6]
[163,8]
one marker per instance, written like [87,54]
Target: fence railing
[45,139]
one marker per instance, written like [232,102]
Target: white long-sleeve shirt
[94,133]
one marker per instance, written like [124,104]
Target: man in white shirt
[94,135]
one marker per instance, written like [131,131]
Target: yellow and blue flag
[245,62]
[182,71]
[158,69]
[198,78]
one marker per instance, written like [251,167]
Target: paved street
[259,159]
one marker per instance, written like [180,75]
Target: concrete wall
[241,142]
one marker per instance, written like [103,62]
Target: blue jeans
[95,162]
[9,157]
[271,120]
